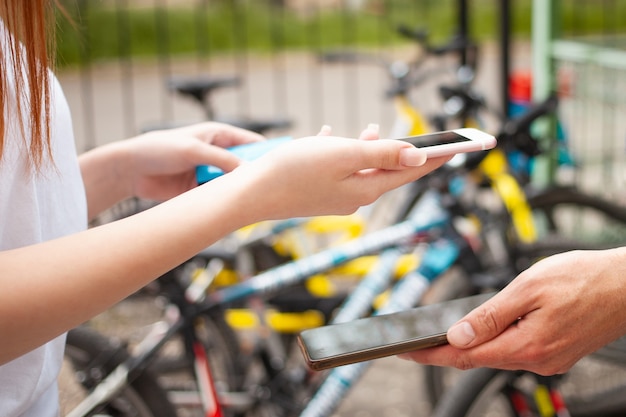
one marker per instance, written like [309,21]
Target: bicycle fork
[208,394]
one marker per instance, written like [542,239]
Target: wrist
[106,173]
[253,200]
[121,168]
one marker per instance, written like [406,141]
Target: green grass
[103,33]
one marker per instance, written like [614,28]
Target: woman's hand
[331,175]
[162,163]
[559,310]
[158,165]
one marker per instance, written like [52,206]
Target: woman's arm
[51,287]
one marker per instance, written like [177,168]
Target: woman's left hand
[157,165]
[163,162]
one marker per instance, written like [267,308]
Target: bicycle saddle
[198,87]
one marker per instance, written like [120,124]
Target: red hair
[27,51]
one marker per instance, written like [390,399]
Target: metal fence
[589,67]
[594,110]
[116,79]
[115,71]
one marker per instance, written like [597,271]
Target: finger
[502,354]
[326,130]
[206,154]
[488,320]
[389,154]
[437,356]
[232,136]
[221,134]
[371,132]
[382,180]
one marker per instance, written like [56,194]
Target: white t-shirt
[35,208]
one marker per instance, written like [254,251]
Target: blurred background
[117,58]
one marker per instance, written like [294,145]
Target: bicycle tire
[483,392]
[436,380]
[93,356]
[246,380]
[584,217]
[458,399]
[175,371]
[454,284]
[174,363]
[548,203]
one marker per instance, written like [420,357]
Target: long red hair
[31,25]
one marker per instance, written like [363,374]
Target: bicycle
[548,220]
[269,281]
[555,217]
[418,283]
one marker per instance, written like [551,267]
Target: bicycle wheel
[176,373]
[123,209]
[572,220]
[591,388]
[572,213]
[89,357]
[133,319]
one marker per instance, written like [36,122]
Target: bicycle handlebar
[418,35]
[348,57]
[458,44]
[516,131]
[522,123]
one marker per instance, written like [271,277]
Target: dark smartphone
[385,335]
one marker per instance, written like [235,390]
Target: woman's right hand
[331,175]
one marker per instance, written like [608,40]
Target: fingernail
[325,130]
[461,334]
[373,127]
[412,157]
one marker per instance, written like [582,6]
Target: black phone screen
[438,138]
[384,335]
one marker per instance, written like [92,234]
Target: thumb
[390,154]
[485,322]
[205,154]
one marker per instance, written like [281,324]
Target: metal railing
[115,77]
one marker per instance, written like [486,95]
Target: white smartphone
[452,142]
[385,335]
